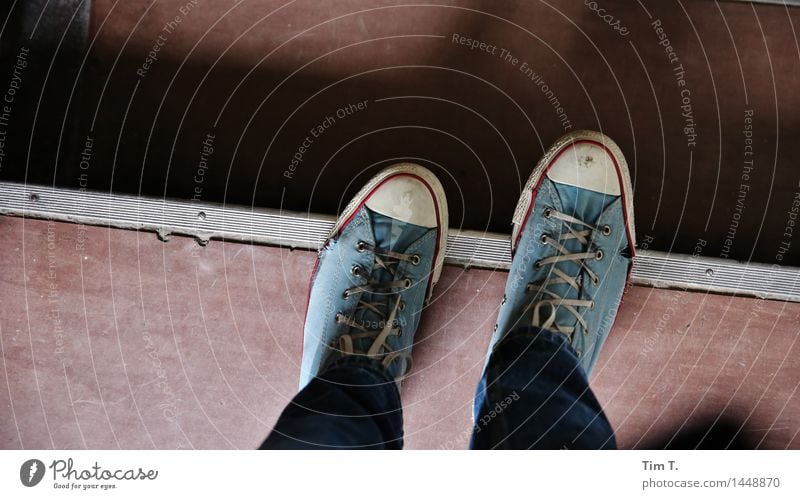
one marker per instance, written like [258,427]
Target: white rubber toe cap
[586,165]
[405,198]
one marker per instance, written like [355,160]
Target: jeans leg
[354,404]
[534,395]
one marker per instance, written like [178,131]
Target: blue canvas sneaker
[375,272]
[573,243]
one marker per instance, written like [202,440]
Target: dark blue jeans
[533,395]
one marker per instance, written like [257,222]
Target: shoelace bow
[557,276]
[387,312]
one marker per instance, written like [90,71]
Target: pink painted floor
[112,339]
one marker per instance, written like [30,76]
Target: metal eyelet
[503,301]
[543,238]
[495,328]
[338,316]
[547,212]
[401,306]
[537,265]
[346,294]
[399,332]
[407,283]
[361,246]
[591,307]
[595,280]
[355,270]
[579,353]
[415,259]
[598,255]
[606,230]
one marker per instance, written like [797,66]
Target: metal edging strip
[205,221]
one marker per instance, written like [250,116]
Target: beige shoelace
[557,276]
[345,344]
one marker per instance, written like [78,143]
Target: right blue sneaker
[573,242]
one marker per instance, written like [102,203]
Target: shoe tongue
[585,205]
[582,204]
[392,234]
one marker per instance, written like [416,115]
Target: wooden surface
[111,339]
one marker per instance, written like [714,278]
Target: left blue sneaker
[375,271]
